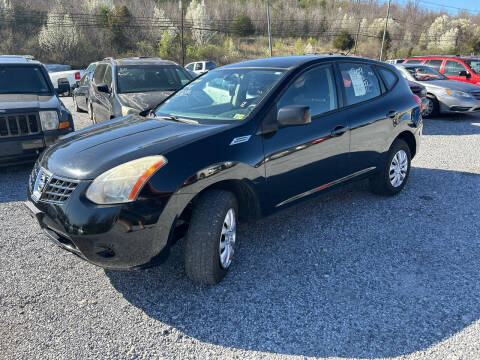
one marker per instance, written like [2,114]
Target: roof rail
[28,57]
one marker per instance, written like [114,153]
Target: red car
[465,69]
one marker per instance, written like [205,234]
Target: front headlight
[128,110]
[457,93]
[49,120]
[124,182]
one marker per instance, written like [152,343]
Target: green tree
[115,20]
[344,41]
[472,45]
[242,26]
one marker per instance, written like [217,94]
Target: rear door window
[359,81]
[434,64]
[99,73]
[413,61]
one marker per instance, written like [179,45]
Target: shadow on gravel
[347,275]
[13,182]
[465,124]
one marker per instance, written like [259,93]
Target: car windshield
[145,78]
[23,80]
[225,94]
[474,65]
[57,68]
[424,73]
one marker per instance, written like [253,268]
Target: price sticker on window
[357,82]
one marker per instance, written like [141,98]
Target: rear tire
[75,104]
[396,169]
[211,237]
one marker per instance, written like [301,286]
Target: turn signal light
[63,125]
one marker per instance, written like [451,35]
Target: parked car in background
[80,94]
[124,86]
[421,91]
[31,115]
[444,95]
[283,130]
[466,69]
[200,67]
[64,74]
[394,61]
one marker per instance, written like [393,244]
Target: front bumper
[450,104]
[25,149]
[125,236]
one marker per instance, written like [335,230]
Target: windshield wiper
[174,118]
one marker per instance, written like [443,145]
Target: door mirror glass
[103,88]
[292,115]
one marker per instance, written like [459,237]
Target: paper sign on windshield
[357,82]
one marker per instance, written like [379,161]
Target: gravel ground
[348,276]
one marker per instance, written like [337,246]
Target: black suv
[237,143]
[31,115]
[132,85]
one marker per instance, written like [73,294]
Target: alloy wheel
[429,108]
[398,168]
[227,239]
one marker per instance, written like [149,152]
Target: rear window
[389,78]
[57,67]
[23,80]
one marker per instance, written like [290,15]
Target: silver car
[444,95]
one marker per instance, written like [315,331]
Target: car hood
[450,84]
[87,153]
[27,101]
[145,100]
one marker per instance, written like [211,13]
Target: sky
[450,6]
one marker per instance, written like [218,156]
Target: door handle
[338,131]
[392,113]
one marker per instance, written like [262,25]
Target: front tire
[211,237]
[396,169]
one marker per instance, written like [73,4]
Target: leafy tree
[115,20]
[198,17]
[344,41]
[472,45]
[242,26]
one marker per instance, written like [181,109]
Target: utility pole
[269,28]
[385,29]
[182,35]
[358,28]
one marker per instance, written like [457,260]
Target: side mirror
[294,115]
[102,87]
[62,88]
[464,73]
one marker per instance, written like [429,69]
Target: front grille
[19,125]
[58,190]
[476,94]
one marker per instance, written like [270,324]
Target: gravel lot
[348,276]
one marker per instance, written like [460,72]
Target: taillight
[77,76]
[418,100]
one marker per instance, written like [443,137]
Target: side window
[198,66]
[108,77]
[359,81]
[91,67]
[98,74]
[434,64]
[210,65]
[453,68]
[84,80]
[189,67]
[413,61]
[315,88]
[184,79]
[389,78]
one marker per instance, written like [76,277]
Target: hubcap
[429,108]
[398,168]
[227,239]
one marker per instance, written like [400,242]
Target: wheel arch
[409,138]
